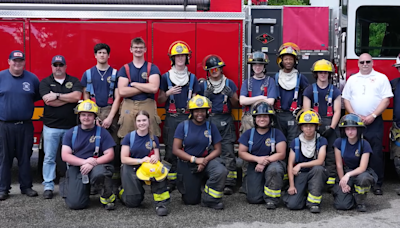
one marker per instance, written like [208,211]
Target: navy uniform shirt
[182,98]
[17,95]
[256,87]
[101,87]
[351,156]
[288,95]
[84,145]
[302,158]
[197,138]
[139,75]
[396,100]
[261,143]
[62,117]
[322,97]
[218,99]
[141,146]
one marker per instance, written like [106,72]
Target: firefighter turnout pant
[288,125]
[309,186]
[226,128]
[78,194]
[190,182]
[246,124]
[330,162]
[132,193]
[170,125]
[360,186]
[265,186]
[395,146]
[130,108]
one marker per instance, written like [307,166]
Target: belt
[16,122]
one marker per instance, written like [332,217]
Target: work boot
[228,191]
[398,191]
[162,210]
[29,192]
[315,209]
[377,191]
[218,206]
[3,195]
[109,206]
[242,190]
[270,206]
[361,208]
[48,194]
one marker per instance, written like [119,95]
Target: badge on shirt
[26,86]
[68,85]
[109,79]
[206,133]
[357,153]
[92,139]
[148,146]
[268,142]
[144,75]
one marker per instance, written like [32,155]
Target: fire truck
[337,30]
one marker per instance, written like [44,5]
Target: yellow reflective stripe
[272,193]
[172,176]
[162,196]
[116,176]
[109,200]
[212,192]
[331,180]
[120,193]
[361,190]
[232,174]
[314,199]
[285,177]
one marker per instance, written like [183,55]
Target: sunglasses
[214,70]
[58,65]
[367,62]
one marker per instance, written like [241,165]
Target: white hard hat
[397,61]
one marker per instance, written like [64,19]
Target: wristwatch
[373,115]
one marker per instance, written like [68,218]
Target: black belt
[16,122]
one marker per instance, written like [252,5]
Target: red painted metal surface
[12,38]
[226,6]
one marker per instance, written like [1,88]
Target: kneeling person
[264,147]
[89,150]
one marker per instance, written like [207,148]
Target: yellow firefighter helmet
[198,102]
[323,65]
[179,48]
[288,48]
[87,106]
[148,171]
[308,117]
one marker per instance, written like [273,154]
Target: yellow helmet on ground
[323,65]
[87,106]
[308,117]
[198,102]
[148,171]
[288,48]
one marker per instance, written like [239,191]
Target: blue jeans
[52,138]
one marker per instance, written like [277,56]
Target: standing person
[16,128]
[221,91]
[305,165]
[100,85]
[325,99]
[60,93]
[88,149]
[177,87]
[140,149]
[192,142]
[138,81]
[264,147]
[395,129]
[374,87]
[258,87]
[352,154]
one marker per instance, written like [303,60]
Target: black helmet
[213,61]
[262,108]
[258,57]
[351,120]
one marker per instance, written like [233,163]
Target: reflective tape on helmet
[212,192]
[314,199]
[161,197]
[272,193]
[331,180]
[361,190]
[109,200]
[232,174]
[172,176]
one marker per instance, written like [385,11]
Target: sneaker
[361,208]
[315,209]
[48,194]
[29,192]
[270,205]
[228,191]
[109,206]
[161,211]
[3,195]
[218,206]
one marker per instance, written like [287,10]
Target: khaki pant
[130,108]
[113,129]
[247,123]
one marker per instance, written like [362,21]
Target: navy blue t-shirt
[302,158]
[261,143]
[101,87]
[322,97]
[197,138]
[218,99]
[139,75]
[396,100]
[141,146]
[287,95]
[84,145]
[352,157]
[258,87]
[17,95]
[182,98]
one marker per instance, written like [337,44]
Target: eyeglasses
[58,65]
[367,62]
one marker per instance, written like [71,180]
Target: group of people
[293,140]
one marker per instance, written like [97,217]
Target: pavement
[22,211]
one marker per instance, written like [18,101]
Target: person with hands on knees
[139,148]
[264,148]
[193,139]
[305,165]
[88,150]
[325,99]
[352,154]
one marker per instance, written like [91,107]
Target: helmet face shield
[351,120]
[258,57]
